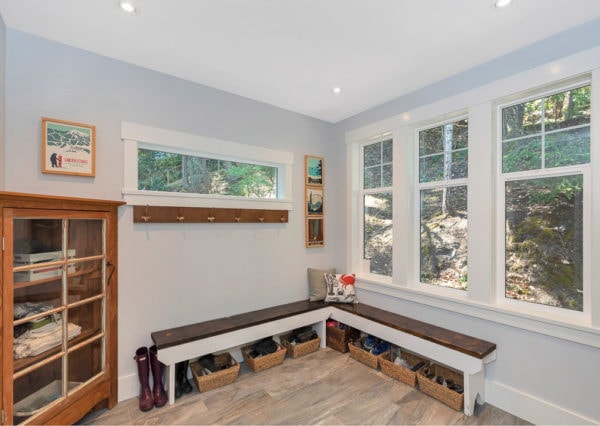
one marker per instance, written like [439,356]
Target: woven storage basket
[398,372]
[265,361]
[439,391]
[299,349]
[361,355]
[206,382]
[338,339]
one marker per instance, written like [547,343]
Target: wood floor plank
[322,388]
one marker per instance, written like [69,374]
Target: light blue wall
[170,274]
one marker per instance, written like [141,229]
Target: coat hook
[211,216]
[238,215]
[282,218]
[261,218]
[146,215]
[180,216]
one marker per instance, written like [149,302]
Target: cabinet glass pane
[88,317]
[86,281]
[43,337]
[37,240]
[86,236]
[34,299]
[86,362]
[36,390]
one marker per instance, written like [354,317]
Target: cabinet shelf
[23,363]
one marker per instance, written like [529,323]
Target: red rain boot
[141,358]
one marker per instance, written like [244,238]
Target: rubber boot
[146,399]
[178,379]
[158,391]
[185,385]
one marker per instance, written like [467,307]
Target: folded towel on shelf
[39,340]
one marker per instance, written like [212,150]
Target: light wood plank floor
[325,388]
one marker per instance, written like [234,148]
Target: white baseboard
[129,386]
[531,408]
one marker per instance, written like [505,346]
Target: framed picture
[313,170]
[68,148]
[314,201]
[315,232]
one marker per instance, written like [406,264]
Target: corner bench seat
[462,352]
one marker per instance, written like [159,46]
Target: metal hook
[180,216]
[146,215]
[211,216]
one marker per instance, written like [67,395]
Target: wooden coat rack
[170,214]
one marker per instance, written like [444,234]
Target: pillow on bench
[340,288]
[317,284]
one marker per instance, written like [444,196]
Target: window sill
[574,332]
[155,198]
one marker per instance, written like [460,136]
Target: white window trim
[579,169]
[415,282]
[136,136]
[363,264]
[480,102]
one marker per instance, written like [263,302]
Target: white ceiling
[290,53]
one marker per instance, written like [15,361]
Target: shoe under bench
[459,351]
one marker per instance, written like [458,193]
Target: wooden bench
[465,353]
[191,341]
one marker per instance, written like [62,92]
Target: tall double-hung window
[545,156]
[376,194]
[443,172]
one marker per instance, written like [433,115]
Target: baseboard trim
[532,408]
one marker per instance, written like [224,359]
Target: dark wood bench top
[461,342]
[475,347]
[188,333]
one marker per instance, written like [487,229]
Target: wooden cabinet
[58,334]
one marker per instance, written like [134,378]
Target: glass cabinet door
[59,276]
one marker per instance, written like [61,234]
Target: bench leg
[474,391]
[321,331]
[171,383]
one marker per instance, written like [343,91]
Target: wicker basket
[299,349]
[265,361]
[398,372]
[439,391]
[364,356]
[338,339]
[206,382]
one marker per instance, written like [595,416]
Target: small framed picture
[68,148]
[314,201]
[315,232]
[313,170]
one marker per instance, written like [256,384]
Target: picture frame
[315,201]
[313,170]
[68,148]
[315,232]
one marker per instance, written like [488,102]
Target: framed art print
[314,201]
[313,170]
[68,148]
[315,230]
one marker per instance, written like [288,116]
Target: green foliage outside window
[544,215]
[172,172]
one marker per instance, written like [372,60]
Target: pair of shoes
[370,342]
[147,359]
[380,348]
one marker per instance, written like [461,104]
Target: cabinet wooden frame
[100,387]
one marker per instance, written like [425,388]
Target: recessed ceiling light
[129,7]
[337,90]
[501,4]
